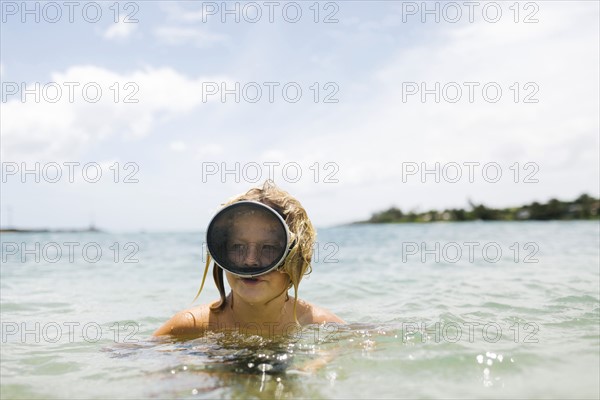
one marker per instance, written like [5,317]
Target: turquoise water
[518,319]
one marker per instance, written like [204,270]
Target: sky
[148,115]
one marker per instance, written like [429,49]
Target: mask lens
[247,238]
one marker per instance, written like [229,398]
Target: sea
[433,310]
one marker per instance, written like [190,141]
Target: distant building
[523,214]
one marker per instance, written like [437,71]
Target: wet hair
[302,237]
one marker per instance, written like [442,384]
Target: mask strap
[292,245]
[208,259]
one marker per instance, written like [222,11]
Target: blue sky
[363,145]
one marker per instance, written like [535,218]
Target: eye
[237,248]
[270,251]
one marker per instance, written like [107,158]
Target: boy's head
[302,234]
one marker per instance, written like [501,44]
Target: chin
[257,291]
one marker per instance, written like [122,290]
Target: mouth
[251,281]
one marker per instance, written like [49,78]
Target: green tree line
[584,207]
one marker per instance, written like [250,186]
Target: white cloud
[120,30]
[176,36]
[175,12]
[208,150]
[182,27]
[64,129]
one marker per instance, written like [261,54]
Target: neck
[275,312]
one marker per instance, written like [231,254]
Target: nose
[252,256]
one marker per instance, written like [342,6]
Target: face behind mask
[248,239]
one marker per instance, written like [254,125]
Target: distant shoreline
[583,208]
[16,230]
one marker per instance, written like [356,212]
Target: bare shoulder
[311,314]
[187,322]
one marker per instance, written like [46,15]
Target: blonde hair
[302,236]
